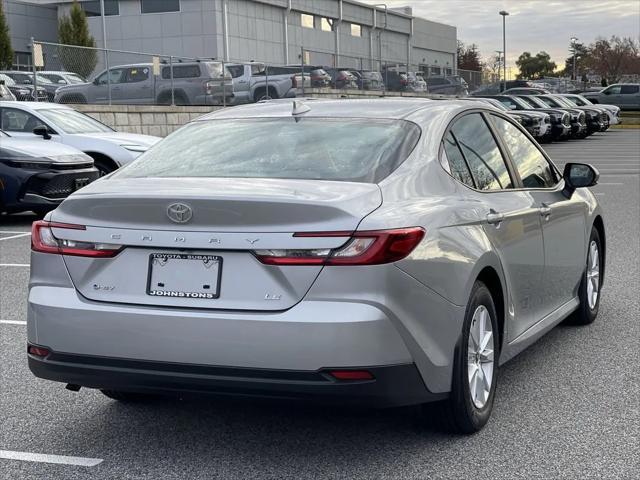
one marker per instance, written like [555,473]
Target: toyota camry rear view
[380,252]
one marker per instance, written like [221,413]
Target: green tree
[6,52]
[535,67]
[74,30]
[582,57]
[469,57]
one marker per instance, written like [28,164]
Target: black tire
[103,167]
[585,314]
[459,414]
[127,397]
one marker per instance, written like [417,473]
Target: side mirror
[95,81]
[42,131]
[578,175]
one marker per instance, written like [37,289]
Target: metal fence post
[173,95]
[266,78]
[224,86]
[106,62]
[302,68]
[33,65]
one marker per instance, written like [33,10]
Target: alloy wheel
[480,356]
[593,275]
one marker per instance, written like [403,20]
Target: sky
[532,25]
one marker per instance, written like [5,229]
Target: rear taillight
[43,241]
[363,248]
[37,351]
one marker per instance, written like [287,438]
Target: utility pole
[504,46]
[573,47]
[104,45]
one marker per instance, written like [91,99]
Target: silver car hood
[123,138]
[38,148]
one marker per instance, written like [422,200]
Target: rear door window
[534,169]
[137,74]
[629,89]
[456,164]
[480,150]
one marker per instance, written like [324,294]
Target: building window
[22,61]
[327,24]
[159,6]
[356,30]
[307,20]
[92,9]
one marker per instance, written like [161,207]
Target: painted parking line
[13,322]
[12,231]
[15,236]
[45,458]
[14,265]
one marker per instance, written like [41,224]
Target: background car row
[47,151]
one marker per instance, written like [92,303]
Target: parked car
[36,176]
[538,124]
[23,92]
[342,79]
[5,93]
[54,123]
[496,88]
[62,77]
[623,95]
[449,85]
[526,91]
[371,80]
[579,100]
[26,79]
[399,281]
[194,83]
[579,127]
[560,119]
[597,120]
[395,81]
[318,77]
[253,82]
[415,83]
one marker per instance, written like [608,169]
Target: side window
[534,169]
[137,74]
[114,73]
[236,71]
[629,89]
[613,90]
[457,165]
[18,121]
[481,152]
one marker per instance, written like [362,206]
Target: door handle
[545,211]
[494,218]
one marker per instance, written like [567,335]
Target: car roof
[34,105]
[391,108]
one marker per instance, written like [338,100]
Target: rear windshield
[344,149]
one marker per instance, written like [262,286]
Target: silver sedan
[388,252]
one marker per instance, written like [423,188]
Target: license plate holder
[184,275]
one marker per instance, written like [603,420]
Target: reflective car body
[612,111]
[110,149]
[341,253]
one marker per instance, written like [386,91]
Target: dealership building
[325,32]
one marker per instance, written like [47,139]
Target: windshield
[71,121]
[582,101]
[536,102]
[43,79]
[345,149]
[571,102]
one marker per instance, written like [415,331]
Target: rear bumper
[394,385]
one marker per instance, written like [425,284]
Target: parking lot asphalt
[565,408]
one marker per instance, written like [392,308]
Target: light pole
[504,14]
[499,52]
[573,47]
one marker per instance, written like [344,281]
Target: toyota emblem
[179,212]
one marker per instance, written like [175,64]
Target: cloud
[532,25]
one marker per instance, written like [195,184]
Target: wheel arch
[492,280]
[105,159]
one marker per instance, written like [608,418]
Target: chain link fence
[73,74]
